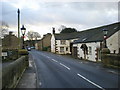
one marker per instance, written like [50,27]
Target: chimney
[10,33]
[53,30]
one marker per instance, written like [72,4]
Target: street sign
[4,54]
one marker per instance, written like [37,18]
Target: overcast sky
[41,15]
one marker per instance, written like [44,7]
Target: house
[90,43]
[45,43]
[61,43]
[10,42]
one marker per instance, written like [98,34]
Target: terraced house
[44,44]
[91,39]
[61,43]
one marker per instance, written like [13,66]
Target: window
[61,49]
[90,50]
[63,42]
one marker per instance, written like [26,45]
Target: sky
[41,15]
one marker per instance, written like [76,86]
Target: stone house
[10,42]
[93,39]
[45,43]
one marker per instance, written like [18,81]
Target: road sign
[4,54]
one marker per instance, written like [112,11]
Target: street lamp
[105,31]
[23,30]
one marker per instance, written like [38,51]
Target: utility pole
[18,28]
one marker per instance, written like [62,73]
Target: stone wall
[12,73]
[111,60]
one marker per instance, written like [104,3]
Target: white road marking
[80,62]
[40,83]
[30,64]
[90,81]
[48,57]
[112,71]
[54,60]
[65,66]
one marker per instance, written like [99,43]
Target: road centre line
[48,57]
[90,81]
[54,60]
[40,83]
[65,66]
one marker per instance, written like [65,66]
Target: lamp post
[105,31]
[18,11]
[23,30]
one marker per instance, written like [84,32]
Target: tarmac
[28,79]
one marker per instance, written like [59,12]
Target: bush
[23,52]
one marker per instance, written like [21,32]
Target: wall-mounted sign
[4,54]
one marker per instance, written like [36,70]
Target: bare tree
[36,35]
[33,35]
[30,35]
[3,29]
[61,28]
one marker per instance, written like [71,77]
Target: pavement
[28,79]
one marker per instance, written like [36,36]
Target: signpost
[4,54]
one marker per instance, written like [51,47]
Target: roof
[89,35]
[66,36]
[96,34]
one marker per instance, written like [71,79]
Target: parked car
[32,47]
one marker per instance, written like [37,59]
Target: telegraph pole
[18,28]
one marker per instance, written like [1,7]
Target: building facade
[61,43]
[45,43]
[95,43]
[10,42]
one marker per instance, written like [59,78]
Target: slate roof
[90,35]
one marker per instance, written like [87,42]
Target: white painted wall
[91,56]
[53,43]
[58,45]
[67,45]
[113,42]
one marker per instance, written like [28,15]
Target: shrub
[23,52]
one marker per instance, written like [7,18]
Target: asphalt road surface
[57,71]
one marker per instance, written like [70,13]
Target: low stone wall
[111,60]
[12,73]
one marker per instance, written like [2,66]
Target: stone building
[10,42]
[45,43]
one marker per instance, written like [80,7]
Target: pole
[18,28]
[23,41]
[105,37]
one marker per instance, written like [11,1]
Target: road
[57,71]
